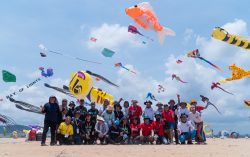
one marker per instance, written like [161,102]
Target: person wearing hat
[125,108]
[118,112]
[168,117]
[102,129]
[108,115]
[146,131]
[77,127]
[158,127]
[149,110]
[198,108]
[182,110]
[135,131]
[159,106]
[114,133]
[134,110]
[105,104]
[71,109]
[83,110]
[185,129]
[88,130]
[125,130]
[93,111]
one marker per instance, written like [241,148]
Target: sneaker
[43,144]
[190,143]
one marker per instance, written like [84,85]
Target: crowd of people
[128,124]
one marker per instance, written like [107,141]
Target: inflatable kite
[8,77]
[48,73]
[45,50]
[98,96]
[151,96]
[120,65]
[145,17]
[26,106]
[134,30]
[217,85]
[107,52]
[206,100]
[247,103]
[177,78]
[161,88]
[195,54]
[237,73]
[223,35]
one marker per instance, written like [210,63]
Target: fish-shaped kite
[151,96]
[174,76]
[195,54]
[161,88]
[145,17]
[48,73]
[217,85]
[120,65]
[206,100]
[237,73]
[134,30]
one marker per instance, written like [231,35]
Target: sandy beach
[214,148]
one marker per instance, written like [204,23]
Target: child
[146,131]
[114,133]
[125,130]
[77,126]
[135,131]
[185,129]
[168,117]
[102,130]
[158,126]
[88,130]
[182,110]
[65,131]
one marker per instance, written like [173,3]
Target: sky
[66,26]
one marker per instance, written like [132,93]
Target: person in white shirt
[185,129]
[149,111]
[195,118]
[182,110]
[125,108]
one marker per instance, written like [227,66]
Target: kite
[177,78]
[134,30]
[107,52]
[151,96]
[45,50]
[206,100]
[237,73]
[223,35]
[8,77]
[43,54]
[101,78]
[9,122]
[120,65]
[145,17]
[64,91]
[217,85]
[25,106]
[208,131]
[98,96]
[195,54]
[144,42]
[161,88]
[93,39]
[179,61]
[49,72]
[247,103]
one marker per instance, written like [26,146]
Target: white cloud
[188,35]
[113,36]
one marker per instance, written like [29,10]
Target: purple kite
[134,30]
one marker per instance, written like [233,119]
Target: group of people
[127,124]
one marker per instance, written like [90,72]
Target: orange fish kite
[145,17]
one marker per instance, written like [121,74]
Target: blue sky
[66,26]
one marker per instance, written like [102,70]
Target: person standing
[52,111]
[93,112]
[125,108]
[83,110]
[134,111]
[149,111]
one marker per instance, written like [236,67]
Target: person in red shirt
[198,108]
[134,111]
[135,131]
[146,131]
[158,127]
[168,117]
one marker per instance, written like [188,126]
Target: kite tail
[165,32]
[210,63]
[225,91]
[209,103]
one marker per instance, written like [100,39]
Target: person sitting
[146,131]
[102,129]
[125,131]
[158,127]
[135,131]
[88,130]
[77,126]
[65,131]
[114,133]
[185,129]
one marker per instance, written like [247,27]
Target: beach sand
[214,148]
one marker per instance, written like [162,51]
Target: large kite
[8,77]
[206,100]
[145,17]
[174,76]
[237,73]
[26,106]
[61,90]
[48,73]
[223,35]
[134,30]
[217,85]
[195,54]
[45,50]
[120,65]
